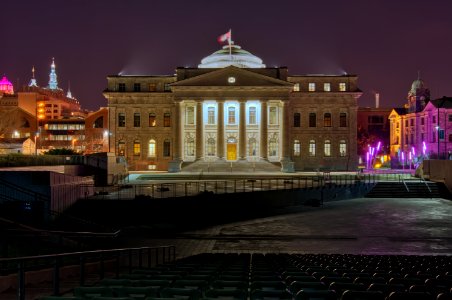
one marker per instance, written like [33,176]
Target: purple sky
[384,42]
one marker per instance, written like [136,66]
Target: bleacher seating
[281,276]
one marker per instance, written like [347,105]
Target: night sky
[384,42]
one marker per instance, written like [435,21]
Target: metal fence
[100,263]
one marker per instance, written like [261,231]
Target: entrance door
[231,151]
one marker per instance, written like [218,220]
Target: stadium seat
[137,293]
[193,294]
[410,296]
[362,295]
[316,295]
[236,294]
[86,292]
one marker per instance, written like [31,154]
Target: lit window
[190,115]
[152,121]
[252,144]
[231,115]
[252,115]
[342,87]
[312,120]
[327,120]
[342,148]
[296,148]
[166,119]
[151,150]
[231,79]
[327,148]
[211,115]
[296,87]
[136,120]
[136,148]
[311,148]
[311,87]
[296,119]
[190,147]
[166,148]
[327,87]
[211,147]
[121,120]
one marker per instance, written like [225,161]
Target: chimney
[377,100]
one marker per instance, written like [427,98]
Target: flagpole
[229,40]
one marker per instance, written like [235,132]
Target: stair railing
[406,186]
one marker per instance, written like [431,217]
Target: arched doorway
[231,149]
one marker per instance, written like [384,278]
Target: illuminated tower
[418,96]
[53,83]
[33,79]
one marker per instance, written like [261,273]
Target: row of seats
[281,276]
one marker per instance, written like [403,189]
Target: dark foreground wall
[207,208]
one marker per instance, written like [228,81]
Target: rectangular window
[136,148]
[411,122]
[152,87]
[422,137]
[252,115]
[152,121]
[422,121]
[296,120]
[121,87]
[231,115]
[137,87]
[434,136]
[450,118]
[166,120]
[311,148]
[327,120]
[312,120]
[273,115]
[327,87]
[433,119]
[190,115]
[311,87]
[166,148]
[296,148]
[136,120]
[343,120]
[342,148]
[151,148]
[296,87]
[342,87]
[166,87]
[121,120]
[211,115]
[406,123]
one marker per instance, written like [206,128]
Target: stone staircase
[406,189]
[236,167]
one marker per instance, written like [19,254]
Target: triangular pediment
[232,77]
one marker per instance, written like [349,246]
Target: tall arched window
[121,148]
[151,148]
[312,148]
[252,147]
[327,120]
[273,147]
[211,115]
[296,148]
[166,147]
[211,147]
[190,115]
[231,115]
[190,147]
[136,148]
[327,148]
[252,115]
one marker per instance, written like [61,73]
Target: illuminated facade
[423,127]
[6,87]
[233,109]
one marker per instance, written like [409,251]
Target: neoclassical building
[234,109]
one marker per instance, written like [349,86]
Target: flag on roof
[225,37]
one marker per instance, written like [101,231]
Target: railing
[184,188]
[19,160]
[114,260]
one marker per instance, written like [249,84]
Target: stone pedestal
[287,166]
[174,166]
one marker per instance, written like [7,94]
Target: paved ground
[358,226]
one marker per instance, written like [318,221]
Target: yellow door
[232,152]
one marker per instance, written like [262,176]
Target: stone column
[264,128]
[199,131]
[220,130]
[175,164]
[242,130]
[285,130]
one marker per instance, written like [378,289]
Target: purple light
[409,156]
[412,150]
[424,148]
[403,155]
[378,146]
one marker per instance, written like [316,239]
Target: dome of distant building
[6,86]
[417,84]
[232,55]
